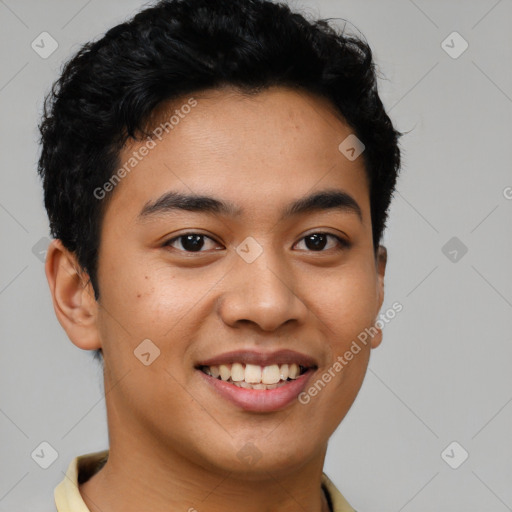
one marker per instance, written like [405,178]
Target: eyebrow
[329,199]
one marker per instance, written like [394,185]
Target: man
[217,177]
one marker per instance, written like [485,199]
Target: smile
[251,376]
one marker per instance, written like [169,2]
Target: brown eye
[189,242]
[318,241]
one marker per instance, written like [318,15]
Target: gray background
[442,373]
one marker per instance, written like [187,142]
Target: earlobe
[73,297]
[377,338]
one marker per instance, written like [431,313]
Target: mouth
[258,382]
[251,376]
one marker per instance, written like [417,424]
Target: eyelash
[344,244]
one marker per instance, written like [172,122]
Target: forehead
[254,150]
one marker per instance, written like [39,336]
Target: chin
[258,458]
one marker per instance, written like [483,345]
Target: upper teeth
[254,374]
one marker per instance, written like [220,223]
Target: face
[241,289]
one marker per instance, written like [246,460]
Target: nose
[263,293]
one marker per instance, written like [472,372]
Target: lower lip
[260,400]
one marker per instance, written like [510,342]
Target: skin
[173,440]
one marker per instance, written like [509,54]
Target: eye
[190,242]
[195,242]
[318,241]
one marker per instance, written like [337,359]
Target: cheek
[351,314]
[345,302]
[345,307]
[154,301]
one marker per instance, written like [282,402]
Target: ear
[73,297]
[380,262]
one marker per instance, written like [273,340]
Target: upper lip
[260,358]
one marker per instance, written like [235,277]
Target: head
[184,139]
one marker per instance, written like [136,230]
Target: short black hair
[110,88]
